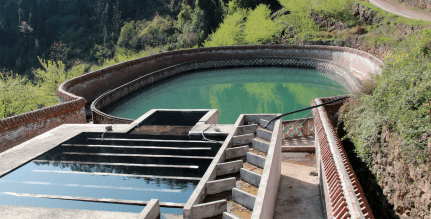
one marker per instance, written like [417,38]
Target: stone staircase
[256,139]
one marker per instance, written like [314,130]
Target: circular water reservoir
[233,91]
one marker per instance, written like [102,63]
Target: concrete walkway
[298,193]
[400,10]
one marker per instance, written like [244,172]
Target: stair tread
[261,139]
[252,168]
[256,152]
[247,187]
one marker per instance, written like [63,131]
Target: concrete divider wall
[199,193]
[345,61]
[20,128]
[268,188]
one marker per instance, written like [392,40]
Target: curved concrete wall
[93,84]
[349,64]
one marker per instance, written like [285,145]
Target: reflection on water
[104,171]
[232,91]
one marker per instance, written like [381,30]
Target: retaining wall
[348,64]
[93,84]
[17,129]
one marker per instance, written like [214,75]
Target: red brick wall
[18,129]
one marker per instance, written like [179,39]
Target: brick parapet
[17,129]
[339,179]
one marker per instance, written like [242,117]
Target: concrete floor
[298,193]
[304,141]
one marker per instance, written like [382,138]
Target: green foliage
[127,32]
[230,31]
[399,104]
[300,17]
[20,95]
[192,30]
[17,95]
[244,27]
[259,27]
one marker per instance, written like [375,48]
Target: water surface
[233,91]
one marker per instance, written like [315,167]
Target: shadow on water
[373,191]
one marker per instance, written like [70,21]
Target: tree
[259,26]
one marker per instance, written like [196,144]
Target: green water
[232,91]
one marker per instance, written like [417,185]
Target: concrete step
[235,152]
[246,129]
[298,149]
[242,139]
[227,215]
[263,134]
[243,198]
[260,145]
[250,177]
[256,160]
[263,122]
[228,167]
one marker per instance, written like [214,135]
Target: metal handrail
[297,111]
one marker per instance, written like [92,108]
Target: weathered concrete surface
[242,139]
[299,144]
[214,169]
[263,134]
[217,186]
[227,215]
[267,193]
[250,177]
[211,130]
[151,211]
[236,152]
[263,123]
[260,145]
[256,160]
[209,209]
[243,198]
[298,194]
[14,212]
[246,129]
[255,118]
[228,167]
[211,117]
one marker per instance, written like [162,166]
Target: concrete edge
[227,215]
[209,209]
[263,134]
[260,145]
[268,188]
[151,211]
[235,152]
[242,139]
[250,177]
[198,194]
[243,198]
[228,167]
[256,160]
[217,186]
[263,122]
[246,129]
